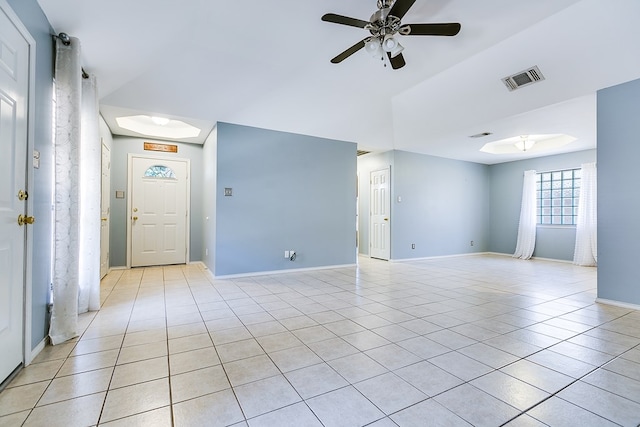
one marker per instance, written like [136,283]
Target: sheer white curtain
[68,74]
[527,226]
[586,249]
[75,289]
[90,181]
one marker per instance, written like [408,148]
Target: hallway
[475,339]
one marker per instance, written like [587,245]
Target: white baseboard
[564,261]
[535,258]
[439,257]
[618,303]
[266,273]
[123,267]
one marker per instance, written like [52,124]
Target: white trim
[28,279]
[563,261]
[36,351]
[130,157]
[122,267]
[499,254]
[438,257]
[268,273]
[618,303]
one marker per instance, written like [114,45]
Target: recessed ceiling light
[158,127]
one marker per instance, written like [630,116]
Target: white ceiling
[266,64]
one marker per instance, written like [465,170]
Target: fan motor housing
[381,23]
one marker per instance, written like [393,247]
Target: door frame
[130,158]
[28,353]
[104,147]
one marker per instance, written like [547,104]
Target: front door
[105,210]
[14,88]
[158,214]
[380,215]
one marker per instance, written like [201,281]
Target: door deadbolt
[22,220]
[135,209]
[23,195]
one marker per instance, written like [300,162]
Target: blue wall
[290,192]
[619,192]
[444,204]
[506,196]
[121,147]
[38,26]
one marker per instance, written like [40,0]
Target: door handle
[386,219]
[135,218]
[104,219]
[22,220]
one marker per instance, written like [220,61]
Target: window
[159,171]
[558,194]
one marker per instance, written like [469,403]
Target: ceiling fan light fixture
[396,51]
[373,47]
[389,43]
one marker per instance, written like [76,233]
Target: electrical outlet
[472,243]
[413,246]
[286,254]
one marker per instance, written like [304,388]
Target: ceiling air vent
[523,78]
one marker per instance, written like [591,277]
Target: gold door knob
[386,219]
[22,220]
[135,218]
[104,219]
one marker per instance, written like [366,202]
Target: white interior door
[105,208]
[14,88]
[380,215]
[159,196]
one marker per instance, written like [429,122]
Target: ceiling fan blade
[344,20]
[401,7]
[397,61]
[347,53]
[449,29]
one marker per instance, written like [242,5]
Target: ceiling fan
[384,25]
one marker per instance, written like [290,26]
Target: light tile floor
[475,340]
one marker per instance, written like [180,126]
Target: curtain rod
[66,40]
